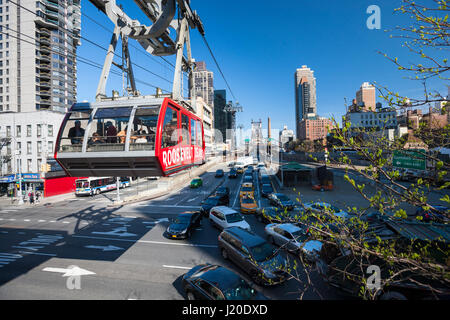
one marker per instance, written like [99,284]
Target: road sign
[410,159]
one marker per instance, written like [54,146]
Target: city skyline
[259,84]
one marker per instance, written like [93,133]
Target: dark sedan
[433,216]
[281,200]
[212,282]
[266,189]
[183,225]
[211,202]
[219,173]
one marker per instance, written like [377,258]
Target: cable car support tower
[155,39]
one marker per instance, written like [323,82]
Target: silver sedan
[293,239]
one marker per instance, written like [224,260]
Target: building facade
[285,137]
[204,83]
[38,55]
[220,115]
[30,139]
[305,95]
[366,98]
[314,128]
[204,111]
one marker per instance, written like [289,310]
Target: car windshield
[282,197]
[246,189]
[262,252]
[182,219]
[248,200]
[234,217]
[211,201]
[267,187]
[299,236]
[240,291]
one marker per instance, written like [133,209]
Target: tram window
[106,127]
[169,131]
[185,129]
[73,132]
[193,131]
[199,135]
[144,128]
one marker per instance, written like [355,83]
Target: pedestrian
[31,197]
[38,195]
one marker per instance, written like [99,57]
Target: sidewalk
[5,202]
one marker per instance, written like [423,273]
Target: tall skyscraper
[204,83]
[305,95]
[220,114]
[365,97]
[38,44]
[38,54]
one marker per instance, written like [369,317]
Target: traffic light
[48,167]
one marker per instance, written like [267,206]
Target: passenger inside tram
[111,132]
[96,139]
[76,133]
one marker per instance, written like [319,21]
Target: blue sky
[260,44]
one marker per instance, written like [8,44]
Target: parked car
[240,170]
[266,189]
[248,204]
[281,200]
[225,217]
[323,207]
[231,164]
[183,225]
[250,169]
[212,202]
[232,174]
[213,282]
[293,238]
[196,183]
[432,216]
[261,260]
[410,285]
[260,166]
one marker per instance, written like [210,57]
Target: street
[121,249]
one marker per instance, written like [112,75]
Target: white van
[225,217]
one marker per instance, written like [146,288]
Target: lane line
[150,242]
[177,267]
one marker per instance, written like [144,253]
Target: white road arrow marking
[121,232]
[105,248]
[70,272]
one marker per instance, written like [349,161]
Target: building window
[39,147]
[29,130]
[29,165]
[18,131]
[50,147]
[38,130]
[50,130]
[29,147]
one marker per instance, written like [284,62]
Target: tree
[423,262]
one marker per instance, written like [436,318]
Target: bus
[94,186]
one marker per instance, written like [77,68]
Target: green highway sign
[410,159]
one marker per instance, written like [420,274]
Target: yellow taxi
[247,190]
[248,204]
[240,170]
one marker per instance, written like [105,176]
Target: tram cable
[78,57]
[92,42]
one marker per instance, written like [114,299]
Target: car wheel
[190,295]
[393,295]
[225,254]
[97,192]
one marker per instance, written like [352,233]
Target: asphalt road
[86,249]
